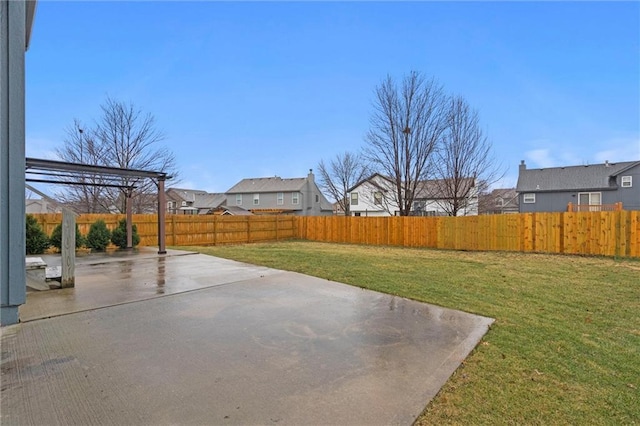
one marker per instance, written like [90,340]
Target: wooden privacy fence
[184,230]
[606,233]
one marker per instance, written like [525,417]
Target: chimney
[606,163]
[310,176]
[522,166]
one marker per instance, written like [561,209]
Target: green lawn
[565,347]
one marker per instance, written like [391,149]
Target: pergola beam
[54,168]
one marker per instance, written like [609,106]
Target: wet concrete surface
[193,339]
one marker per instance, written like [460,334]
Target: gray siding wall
[630,197]
[307,204]
[268,200]
[12,159]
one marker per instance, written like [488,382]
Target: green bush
[36,240]
[56,237]
[98,236]
[119,235]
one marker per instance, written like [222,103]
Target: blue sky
[254,89]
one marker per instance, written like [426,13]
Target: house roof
[270,184]
[507,194]
[426,189]
[373,180]
[199,199]
[593,176]
[235,211]
[439,188]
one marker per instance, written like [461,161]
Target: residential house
[372,197]
[591,187]
[275,195]
[40,205]
[437,198]
[193,201]
[375,196]
[499,201]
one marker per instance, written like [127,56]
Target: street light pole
[81,144]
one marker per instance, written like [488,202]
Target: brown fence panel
[182,230]
[605,233]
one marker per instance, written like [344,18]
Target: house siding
[267,200]
[630,197]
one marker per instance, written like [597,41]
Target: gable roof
[200,199]
[269,184]
[373,180]
[431,189]
[593,176]
[439,189]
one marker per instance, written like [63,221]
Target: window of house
[256,199]
[357,214]
[170,205]
[280,198]
[238,199]
[295,198]
[354,198]
[377,198]
[499,202]
[626,181]
[529,198]
[590,198]
[317,198]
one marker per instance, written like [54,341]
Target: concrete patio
[188,339]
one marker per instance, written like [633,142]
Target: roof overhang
[31,13]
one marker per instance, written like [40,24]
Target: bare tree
[464,165]
[123,137]
[87,194]
[405,130]
[342,172]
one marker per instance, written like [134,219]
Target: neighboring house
[38,205]
[192,201]
[297,196]
[591,188]
[375,196]
[499,201]
[372,197]
[434,198]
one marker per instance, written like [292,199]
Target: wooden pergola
[65,173]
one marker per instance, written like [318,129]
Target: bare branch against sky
[405,130]
[465,160]
[342,173]
[123,137]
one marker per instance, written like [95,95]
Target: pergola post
[161,216]
[68,278]
[129,194]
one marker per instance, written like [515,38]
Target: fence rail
[604,233]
